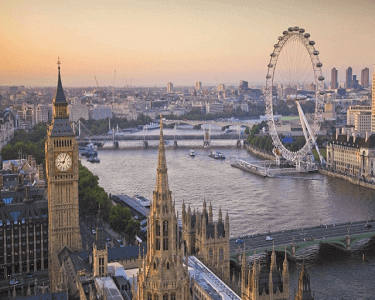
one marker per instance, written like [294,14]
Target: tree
[121,221]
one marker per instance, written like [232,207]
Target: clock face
[63,162]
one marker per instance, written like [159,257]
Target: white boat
[192,153]
[151,126]
[216,155]
[142,200]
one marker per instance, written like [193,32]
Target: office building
[198,86]
[365,77]
[169,87]
[334,79]
[349,78]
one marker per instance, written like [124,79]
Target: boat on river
[94,159]
[142,200]
[192,153]
[216,155]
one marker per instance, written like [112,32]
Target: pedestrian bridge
[345,236]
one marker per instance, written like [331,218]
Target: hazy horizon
[155,42]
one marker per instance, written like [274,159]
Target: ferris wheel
[295,73]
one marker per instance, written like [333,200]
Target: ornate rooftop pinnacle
[59,96]
[161,176]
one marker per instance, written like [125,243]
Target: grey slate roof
[127,252]
[61,127]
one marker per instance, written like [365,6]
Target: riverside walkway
[343,236]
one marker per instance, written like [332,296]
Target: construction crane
[97,85]
[113,92]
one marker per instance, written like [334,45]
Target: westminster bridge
[344,236]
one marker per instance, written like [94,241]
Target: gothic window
[173,296]
[165,297]
[154,265]
[165,243]
[211,253]
[149,297]
[221,254]
[165,228]
[156,297]
[157,244]
[157,228]
[167,265]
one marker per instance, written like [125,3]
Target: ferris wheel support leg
[304,122]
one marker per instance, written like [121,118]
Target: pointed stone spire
[210,216]
[59,96]
[220,220]
[204,207]
[273,266]
[162,176]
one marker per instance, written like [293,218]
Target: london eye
[295,76]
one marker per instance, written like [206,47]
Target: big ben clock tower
[61,151]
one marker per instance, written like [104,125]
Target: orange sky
[152,42]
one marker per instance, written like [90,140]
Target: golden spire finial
[161,122]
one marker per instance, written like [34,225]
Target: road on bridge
[281,238]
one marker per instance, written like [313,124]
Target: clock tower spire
[61,150]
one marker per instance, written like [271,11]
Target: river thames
[255,205]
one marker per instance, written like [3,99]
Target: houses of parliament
[192,262]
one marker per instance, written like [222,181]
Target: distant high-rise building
[365,77]
[198,86]
[334,83]
[169,87]
[373,104]
[244,85]
[349,77]
[221,87]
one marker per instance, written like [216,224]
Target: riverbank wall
[352,180]
[259,152]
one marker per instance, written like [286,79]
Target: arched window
[173,296]
[156,297]
[157,228]
[167,265]
[165,297]
[165,234]
[221,254]
[154,265]
[165,228]
[211,253]
[149,296]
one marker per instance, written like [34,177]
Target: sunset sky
[152,42]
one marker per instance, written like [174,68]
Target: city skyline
[152,43]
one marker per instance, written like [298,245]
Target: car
[93,231]
[239,241]
[268,238]
[14,282]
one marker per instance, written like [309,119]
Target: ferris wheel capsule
[290,29]
[316,52]
[321,78]
[285,33]
[270,65]
[301,30]
[311,43]
[319,65]
[306,35]
[296,28]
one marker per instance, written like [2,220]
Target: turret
[183,212]
[273,266]
[244,271]
[226,226]
[220,219]
[286,274]
[204,207]
[304,291]
[210,216]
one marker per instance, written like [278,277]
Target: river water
[255,205]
